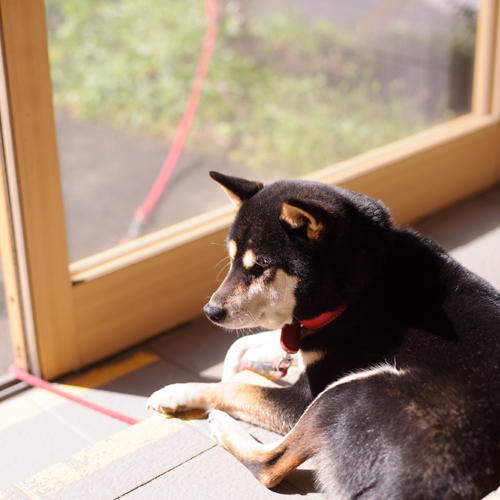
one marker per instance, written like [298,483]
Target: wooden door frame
[43,292]
[73,315]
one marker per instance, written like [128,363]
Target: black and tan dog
[400,393]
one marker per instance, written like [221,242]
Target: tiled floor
[44,439]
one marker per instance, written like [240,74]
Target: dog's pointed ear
[238,190]
[307,214]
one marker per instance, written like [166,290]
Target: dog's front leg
[276,409]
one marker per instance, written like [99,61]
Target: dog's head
[297,249]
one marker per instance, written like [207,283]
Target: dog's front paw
[175,398]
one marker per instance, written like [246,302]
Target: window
[291,88]
[95,306]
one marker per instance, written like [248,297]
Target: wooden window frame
[65,316]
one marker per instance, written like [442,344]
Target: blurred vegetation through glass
[293,85]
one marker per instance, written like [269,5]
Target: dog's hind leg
[269,463]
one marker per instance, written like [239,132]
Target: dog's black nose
[214,313]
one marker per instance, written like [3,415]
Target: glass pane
[292,86]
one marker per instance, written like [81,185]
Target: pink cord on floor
[42,384]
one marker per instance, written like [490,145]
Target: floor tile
[144,381]
[120,463]
[200,346]
[213,475]
[42,428]
[482,256]
[36,443]
[17,409]
[470,231]
[303,479]
[493,195]
[112,368]
[92,424]
[13,493]
[462,223]
[129,394]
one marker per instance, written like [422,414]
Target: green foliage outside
[283,94]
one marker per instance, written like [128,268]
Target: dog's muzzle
[215,313]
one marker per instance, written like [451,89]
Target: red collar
[323,319]
[290,334]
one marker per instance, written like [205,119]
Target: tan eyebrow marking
[249,259]
[232,248]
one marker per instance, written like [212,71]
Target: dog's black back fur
[433,432]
